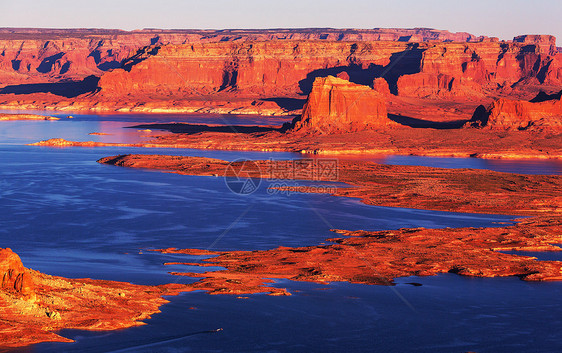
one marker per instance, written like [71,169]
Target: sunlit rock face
[336,105]
[544,114]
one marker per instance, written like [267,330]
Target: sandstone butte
[380,257]
[336,105]
[33,305]
[429,73]
[503,114]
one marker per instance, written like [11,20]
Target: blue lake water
[67,215]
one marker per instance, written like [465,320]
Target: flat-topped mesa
[545,43]
[32,55]
[339,106]
[541,114]
[287,68]
[257,69]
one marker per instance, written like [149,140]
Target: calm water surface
[67,215]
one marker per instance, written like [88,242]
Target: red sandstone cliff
[546,43]
[287,68]
[476,69]
[266,69]
[255,71]
[338,106]
[505,114]
[49,55]
[15,278]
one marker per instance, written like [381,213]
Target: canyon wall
[261,69]
[30,55]
[287,68]
[478,69]
[257,71]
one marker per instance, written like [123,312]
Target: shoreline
[62,143]
[36,306]
[392,253]
[163,108]
[18,116]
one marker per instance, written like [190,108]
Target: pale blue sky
[502,18]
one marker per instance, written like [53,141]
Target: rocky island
[394,253]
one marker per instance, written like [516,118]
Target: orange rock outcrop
[505,114]
[336,105]
[33,305]
[15,277]
[377,258]
[6,117]
[475,69]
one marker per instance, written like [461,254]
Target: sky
[499,18]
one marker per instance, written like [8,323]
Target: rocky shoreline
[379,257]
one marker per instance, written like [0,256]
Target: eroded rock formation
[505,114]
[15,278]
[47,55]
[34,305]
[262,71]
[475,69]
[338,106]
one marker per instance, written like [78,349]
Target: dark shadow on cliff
[427,124]
[104,66]
[183,128]
[287,103]
[406,62]
[48,63]
[356,75]
[64,89]
[141,55]
[544,97]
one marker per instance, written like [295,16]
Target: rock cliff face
[263,71]
[52,59]
[15,277]
[49,55]
[545,43]
[472,69]
[34,305]
[270,69]
[338,106]
[505,114]
[288,68]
